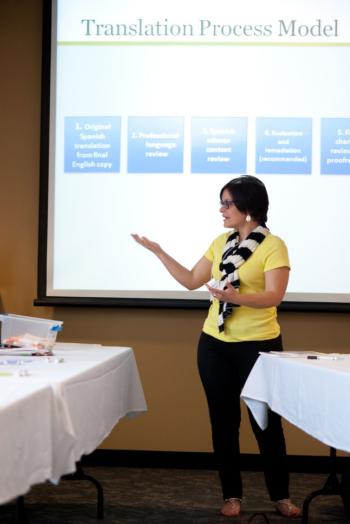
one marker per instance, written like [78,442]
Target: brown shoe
[286,508]
[231,507]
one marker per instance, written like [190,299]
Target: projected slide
[156,105]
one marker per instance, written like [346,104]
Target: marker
[322,357]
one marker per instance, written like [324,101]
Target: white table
[61,410]
[314,395]
[25,436]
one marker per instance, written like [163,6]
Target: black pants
[224,368]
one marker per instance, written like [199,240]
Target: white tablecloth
[61,410]
[314,395]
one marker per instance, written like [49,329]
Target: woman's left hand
[230,294]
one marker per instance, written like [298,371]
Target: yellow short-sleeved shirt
[246,323]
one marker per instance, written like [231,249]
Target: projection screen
[149,108]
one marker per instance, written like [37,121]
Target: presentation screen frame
[46,299]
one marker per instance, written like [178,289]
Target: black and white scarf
[233,256]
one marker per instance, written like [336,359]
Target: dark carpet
[164,496]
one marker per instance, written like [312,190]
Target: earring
[248,218]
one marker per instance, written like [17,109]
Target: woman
[249,270]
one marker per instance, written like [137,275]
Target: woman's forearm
[276,281]
[259,300]
[184,276]
[190,279]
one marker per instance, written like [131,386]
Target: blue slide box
[219,145]
[155,144]
[283,146]
[335,146]
[92,144]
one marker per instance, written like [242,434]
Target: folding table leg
[80,475]
[20,516]
[332,487]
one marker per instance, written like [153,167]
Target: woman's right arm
[190,279]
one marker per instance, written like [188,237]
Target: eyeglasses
[226,203]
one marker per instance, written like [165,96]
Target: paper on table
[294,354]
[21,351]
[307,354]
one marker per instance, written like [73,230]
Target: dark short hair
[250,196]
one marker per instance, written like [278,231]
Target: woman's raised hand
[148,244]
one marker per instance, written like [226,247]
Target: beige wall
[164,340]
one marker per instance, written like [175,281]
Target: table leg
[20,515]
[332,487]
[80,475]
